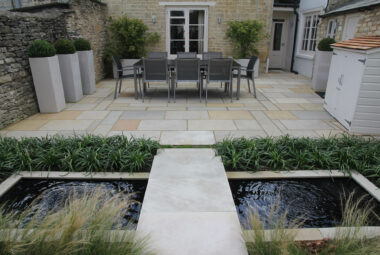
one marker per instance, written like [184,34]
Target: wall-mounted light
[154,19]
[219,20]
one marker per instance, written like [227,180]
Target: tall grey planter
[87,71]
[72,84]
[321,70]
[125,62]
[48,84]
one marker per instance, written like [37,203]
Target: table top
[171,63]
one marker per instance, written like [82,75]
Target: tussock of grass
[279,240]
[285,153]
[82,227]
[76,154]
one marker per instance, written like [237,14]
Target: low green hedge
[285,153]
[76,154]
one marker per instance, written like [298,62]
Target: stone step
[188,206]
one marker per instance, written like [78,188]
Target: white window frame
[308,39]
[332,26]
[186,9]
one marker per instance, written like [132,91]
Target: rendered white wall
[303,63]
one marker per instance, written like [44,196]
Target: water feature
[50,194]
[317,202]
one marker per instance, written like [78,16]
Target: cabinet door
[349,86]
[332,83]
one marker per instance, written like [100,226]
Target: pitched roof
[360,43]
[352,5]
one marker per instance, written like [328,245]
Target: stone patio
[286,104]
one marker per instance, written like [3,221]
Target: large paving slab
[187,138]
[188,206]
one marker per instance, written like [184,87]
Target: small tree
[245,35]
[130,37]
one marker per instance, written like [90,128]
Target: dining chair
[210,55]
[157,54]
[186,55]
[249,74]
[120,74]
[155,70]
[187,70]
[219,70]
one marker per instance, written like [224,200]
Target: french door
[186,30]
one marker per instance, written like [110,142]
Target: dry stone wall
[17,31]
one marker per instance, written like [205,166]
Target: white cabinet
[353,89]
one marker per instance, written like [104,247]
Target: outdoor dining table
[203,64]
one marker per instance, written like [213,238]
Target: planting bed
[316,202]
[51,194]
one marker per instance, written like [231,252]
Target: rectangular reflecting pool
[316,202]
[49,194]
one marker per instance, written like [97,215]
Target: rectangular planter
[87,71]
[321,70]
[48,84]
[72,84]
[124,63]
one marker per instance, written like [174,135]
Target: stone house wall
[17,30]
[87,19]
[227,10]
[369,24]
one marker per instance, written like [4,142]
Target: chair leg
[221,85]
[115,96]
[174,87]
[140,88]
[249,87]
[148,85]
[121,82]
[254,87]
[206,91]
[143,92]
[200,91]
[230,84]
[169,88]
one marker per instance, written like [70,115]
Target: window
[186,30]
[331,28]
[310,32]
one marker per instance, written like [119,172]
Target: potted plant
[245,35]
[46,77]
[129,38]
[69,65]
[86,64]
[322,64]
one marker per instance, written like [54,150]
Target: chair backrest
[119,66]
[210,55]
[157,54]
[219,69]
[186,55]
[187,69]
[155,69]
[251,65]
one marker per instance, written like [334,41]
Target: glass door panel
[187,30]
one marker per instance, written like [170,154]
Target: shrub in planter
[322,64]
[325,44]
[244,36]
[129,38]
[69,65]
[46,76]
[86,64]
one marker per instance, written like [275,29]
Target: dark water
[318,202]
[51,194]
